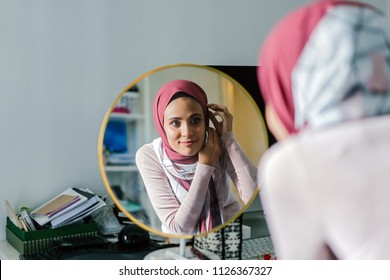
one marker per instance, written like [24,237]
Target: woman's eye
[175,123]
[196,120]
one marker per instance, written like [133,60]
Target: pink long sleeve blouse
[182,217]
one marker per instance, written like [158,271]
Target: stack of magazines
[70,206]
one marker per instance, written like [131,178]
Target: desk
[7,251]
[255,220]
[162,254]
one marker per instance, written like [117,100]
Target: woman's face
[184,125]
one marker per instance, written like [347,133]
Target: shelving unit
[125,178]
[121,168]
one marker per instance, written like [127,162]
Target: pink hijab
[309,100]
[161,101]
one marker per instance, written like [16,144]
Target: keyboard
[256,248]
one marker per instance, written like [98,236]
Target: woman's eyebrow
[180,118]
[196,115]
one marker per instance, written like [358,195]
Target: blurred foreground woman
[324,74]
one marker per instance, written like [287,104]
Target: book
[12,216]
[83,210]
[25,217]
[57,206]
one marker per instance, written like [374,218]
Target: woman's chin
[188,152]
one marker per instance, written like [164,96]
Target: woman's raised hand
[226,123]
[211,150]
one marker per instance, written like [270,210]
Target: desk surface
[255,220]
[7,251]
[174,254]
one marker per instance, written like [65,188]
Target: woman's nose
[186,130]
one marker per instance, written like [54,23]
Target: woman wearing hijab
[324,74]
[185,169]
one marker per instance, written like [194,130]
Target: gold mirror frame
[113,195]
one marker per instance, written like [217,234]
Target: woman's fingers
[216,123]
[211,151]
[213,135]
[226,123]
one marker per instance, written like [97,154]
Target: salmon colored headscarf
[162,100]
[313,65]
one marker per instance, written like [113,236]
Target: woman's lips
[187,143]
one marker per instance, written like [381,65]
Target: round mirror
[129,124]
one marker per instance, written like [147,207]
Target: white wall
[63,62]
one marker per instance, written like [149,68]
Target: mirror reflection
[170,138]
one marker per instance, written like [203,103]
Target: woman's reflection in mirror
[186,170]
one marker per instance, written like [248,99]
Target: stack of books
[60,217]
[69,207]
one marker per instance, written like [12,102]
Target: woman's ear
[274,124]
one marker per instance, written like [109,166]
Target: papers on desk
[68,207]
[81,211]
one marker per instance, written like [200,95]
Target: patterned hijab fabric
[327,63]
